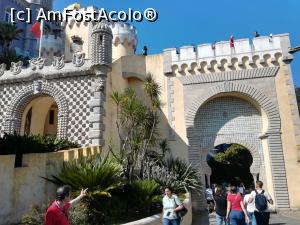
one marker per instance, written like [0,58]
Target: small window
[101,39]
[51,117]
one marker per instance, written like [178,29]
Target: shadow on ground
[202,218]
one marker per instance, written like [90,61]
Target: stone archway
[13,117]
[271,135]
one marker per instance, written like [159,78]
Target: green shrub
[144,193]
[22,144]
[176,173]
[35,216]
[78,215]
[100,175]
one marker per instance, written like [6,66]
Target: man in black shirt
[220,206]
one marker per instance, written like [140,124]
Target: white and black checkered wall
[77,92]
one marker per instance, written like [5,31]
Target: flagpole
[41,37]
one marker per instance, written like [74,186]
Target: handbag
[182,212]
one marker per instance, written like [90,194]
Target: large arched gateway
[229,119]
[233,112]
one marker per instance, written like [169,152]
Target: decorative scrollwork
[59,62]
[16,68]
[78,59]
[37,63]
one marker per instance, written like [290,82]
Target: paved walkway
[276,219]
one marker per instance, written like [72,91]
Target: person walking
[261,198]
[209,199]
[57,213]
[171,205]
[220,206]
[250,206]
[241,189]
[236,213]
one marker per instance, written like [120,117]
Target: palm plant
[8,33]
[137,126]
[100,175]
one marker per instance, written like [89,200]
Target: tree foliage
[8,33]
[235,154]
[232,165]
[137,128]
[15,143]
[11,56]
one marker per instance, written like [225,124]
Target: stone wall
[22,188]
[73,89]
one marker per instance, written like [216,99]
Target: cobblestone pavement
[276,219]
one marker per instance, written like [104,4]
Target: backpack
[261,202]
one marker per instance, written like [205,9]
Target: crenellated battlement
[220,56]
[52,44]
[124,32]
[72,22]
[121,31]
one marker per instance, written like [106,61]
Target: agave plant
[100,175]
[176,173]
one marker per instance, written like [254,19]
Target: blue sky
[204,21]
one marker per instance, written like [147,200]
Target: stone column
[97,107]
[101,60]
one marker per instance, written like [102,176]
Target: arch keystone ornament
[78,59]
[272,135]
[13,117]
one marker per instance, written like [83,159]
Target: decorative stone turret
[101,59]
[124,39]
[101,44]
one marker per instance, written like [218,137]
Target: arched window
[28,122]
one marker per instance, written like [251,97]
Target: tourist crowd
[235,205]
